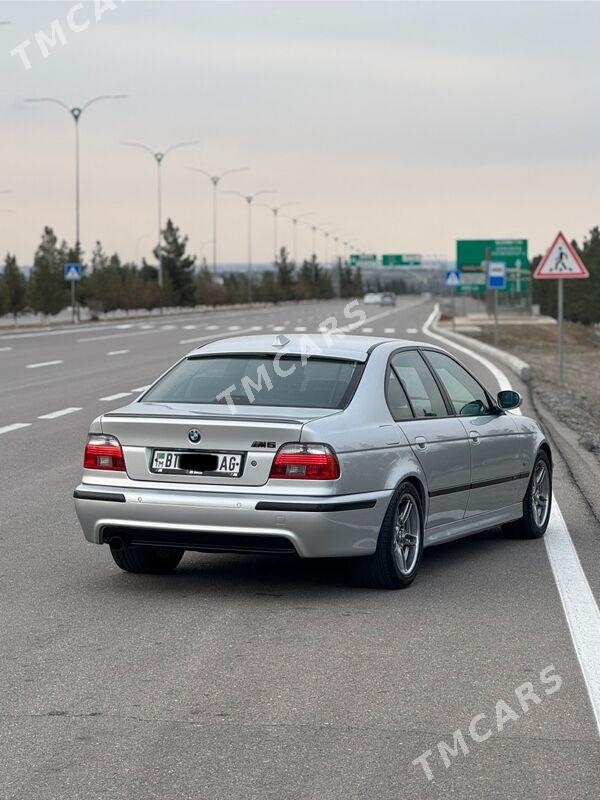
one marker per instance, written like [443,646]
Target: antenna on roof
[281,340]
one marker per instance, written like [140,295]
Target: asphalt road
[262,677]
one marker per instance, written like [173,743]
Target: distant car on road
[366,448]
[371,299]
[387,299]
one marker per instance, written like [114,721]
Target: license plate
[177,462]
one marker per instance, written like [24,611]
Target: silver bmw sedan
[312,445]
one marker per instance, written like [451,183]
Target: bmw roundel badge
[194,436]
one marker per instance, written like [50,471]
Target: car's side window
[466,395]
[418,383]
[396,398]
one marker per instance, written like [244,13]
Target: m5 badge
[269,445]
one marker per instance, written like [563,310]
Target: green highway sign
[472,256]
[363,260]
[402,260]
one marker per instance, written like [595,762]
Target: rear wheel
[150,560]
[395,563]
[537,503]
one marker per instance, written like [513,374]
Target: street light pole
[159,156]
[249,198]
[294,221]
[276,210]
[215,180]
[75,112]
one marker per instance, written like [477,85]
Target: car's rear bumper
[314,527]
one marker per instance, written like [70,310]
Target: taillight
[315,462]
[104,452]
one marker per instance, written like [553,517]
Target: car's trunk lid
[256,433]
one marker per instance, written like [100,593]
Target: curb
[520,368]
[582,465]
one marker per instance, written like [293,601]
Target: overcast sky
[406,125]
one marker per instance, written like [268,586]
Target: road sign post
[496,281]
[560,262]
[73,274]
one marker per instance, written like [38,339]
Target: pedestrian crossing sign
[73,272]
[561,261]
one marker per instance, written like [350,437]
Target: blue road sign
[72,272]
[496,278]
[453,278]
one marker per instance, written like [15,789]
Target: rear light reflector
[315,462]
[104,452]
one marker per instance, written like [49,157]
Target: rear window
[262,380]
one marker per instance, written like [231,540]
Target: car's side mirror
[509,399]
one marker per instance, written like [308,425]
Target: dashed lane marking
[14,427]
[44,364]
[389,330]
[412,330]
[141,388]
[189,327]
[367,330]
[117,352]
[61,413]
[116,396]
[300,329]
[5,349]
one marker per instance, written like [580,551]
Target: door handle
[421,442]
[474,437]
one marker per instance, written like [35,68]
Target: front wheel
[537,503]
[147,560]
[395,563]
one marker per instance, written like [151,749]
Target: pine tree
[285,276]
[14,288]
[177,266]
[48,290]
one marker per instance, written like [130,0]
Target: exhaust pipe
[116,543]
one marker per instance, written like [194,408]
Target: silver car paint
[375,453]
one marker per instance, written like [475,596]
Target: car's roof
[316,344]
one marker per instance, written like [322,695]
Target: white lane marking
[212,327]
[412,330]
[168,327]
[5,349]
[117,352]
[14,427]
[44,364]
[367,330]
[278,328]
[61,413]
[389,330]
[122,327]
[233,328]
[300,329]
[141,388]
[578,602]
[209,337]
[114,336]
[116,396]
[256,328]
[188,327]
[145,327]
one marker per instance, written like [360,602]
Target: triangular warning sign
[452,279]
[561,261]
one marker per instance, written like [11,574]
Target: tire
[537,502]
[148,560]
[383,569]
